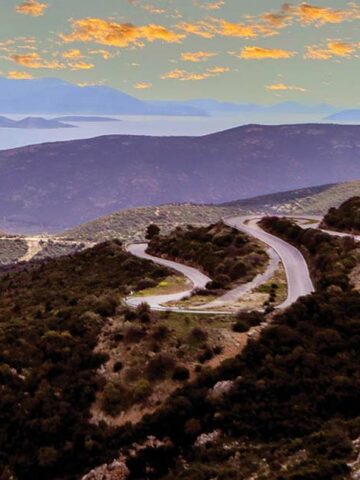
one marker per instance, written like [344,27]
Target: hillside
[346,218]
[286,407]
[74,182]
[76,363]
[130,224]
[313,200]
[50,317]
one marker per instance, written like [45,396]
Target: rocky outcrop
[117,470]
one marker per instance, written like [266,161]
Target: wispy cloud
[281,87]
[15,75]
[261,53]
[211,5]
[142,85]
[186,76]
[197,56]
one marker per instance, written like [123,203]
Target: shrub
[142,390]
[118,366]
[240,327]
[152,231]
[133,334]
[114,399]
[159,367]
[198,335]
[181,374]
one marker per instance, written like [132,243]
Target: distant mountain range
[345,116]
[54,96]
[33,123]
[57,185]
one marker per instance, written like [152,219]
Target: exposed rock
[220,389]
[206,438]
[355,464]
[117,470]
[150,442]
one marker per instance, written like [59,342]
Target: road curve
[297,272]
[156,302]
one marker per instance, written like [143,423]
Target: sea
[137,125]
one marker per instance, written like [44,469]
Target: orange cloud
[307,14]
[260,53]
[334,49]
[154,10]
[196,56]
[211,5]
[142,85]
[81,65]
[278,87]
[103,53]
[72,54]
[185,76]
[321,15]
[33,60]
[217,70]
[14,75]
[105,32]
[32,7]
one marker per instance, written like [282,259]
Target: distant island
[33,123]
[77,118]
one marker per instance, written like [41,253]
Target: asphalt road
[197,279]
[297,272]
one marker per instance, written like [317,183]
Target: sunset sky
[261,51]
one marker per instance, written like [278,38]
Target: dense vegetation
[290,404]
[50,317]
[293,409]
[346,218]
[222,252]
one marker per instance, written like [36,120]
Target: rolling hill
[130,224]
[55,186]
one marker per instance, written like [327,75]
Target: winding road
[297,272]
[197,279]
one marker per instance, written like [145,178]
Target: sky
[257,51]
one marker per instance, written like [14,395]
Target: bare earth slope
[74,182]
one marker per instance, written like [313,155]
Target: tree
[151,231]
